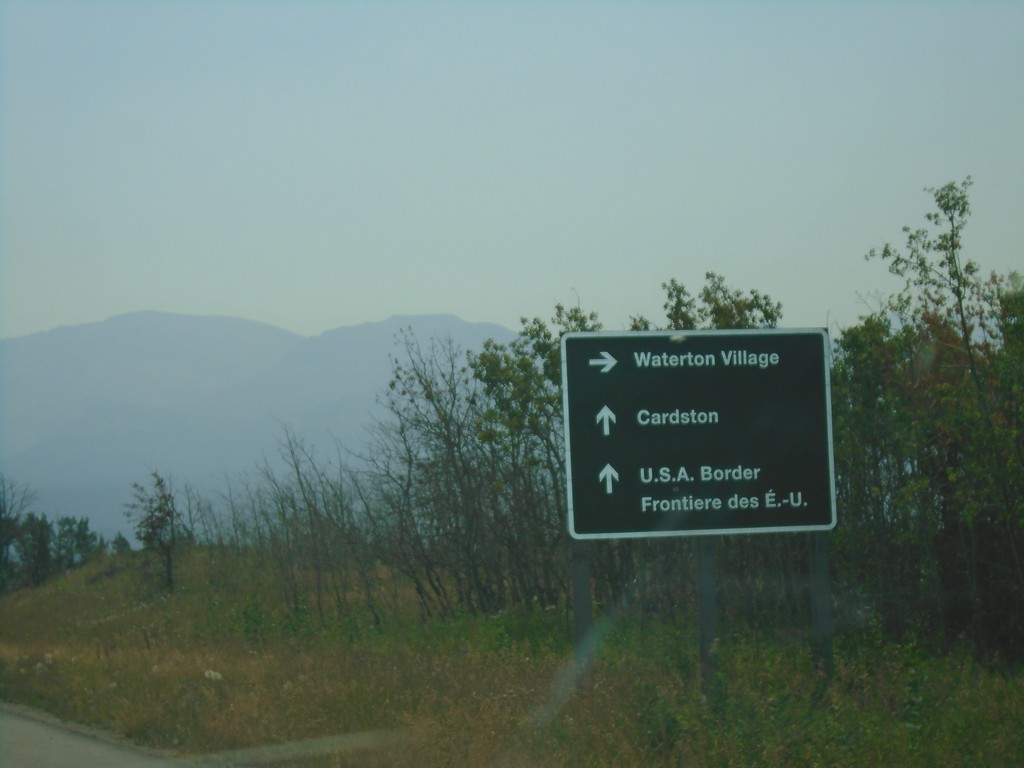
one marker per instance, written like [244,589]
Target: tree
[520,427]
[464,485]
[73,543]
[120,545]
[15,499]
[427,502]
[157,522]
[884,548]
[928,418]
[720,308]
[33,548]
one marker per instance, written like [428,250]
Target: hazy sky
[320,164]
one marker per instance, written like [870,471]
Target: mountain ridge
[198,397]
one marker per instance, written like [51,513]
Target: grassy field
[212,668]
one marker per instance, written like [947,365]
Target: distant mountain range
[86,410]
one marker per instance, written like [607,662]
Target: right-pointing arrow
[606,418]
[605,361]
[607,476]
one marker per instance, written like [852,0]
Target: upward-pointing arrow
[607,476]
[606,361]
[606,416]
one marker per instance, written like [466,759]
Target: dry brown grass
[101,647]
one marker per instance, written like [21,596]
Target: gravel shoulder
[33,739]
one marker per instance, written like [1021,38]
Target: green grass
[217,666]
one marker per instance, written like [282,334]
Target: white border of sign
[827,348]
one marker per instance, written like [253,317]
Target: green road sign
[681,433]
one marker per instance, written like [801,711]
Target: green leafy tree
[884,552]
[120,544]
[717,307]
[157,522]
[928,413]
[73,542]
[34,549]
[520,427]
